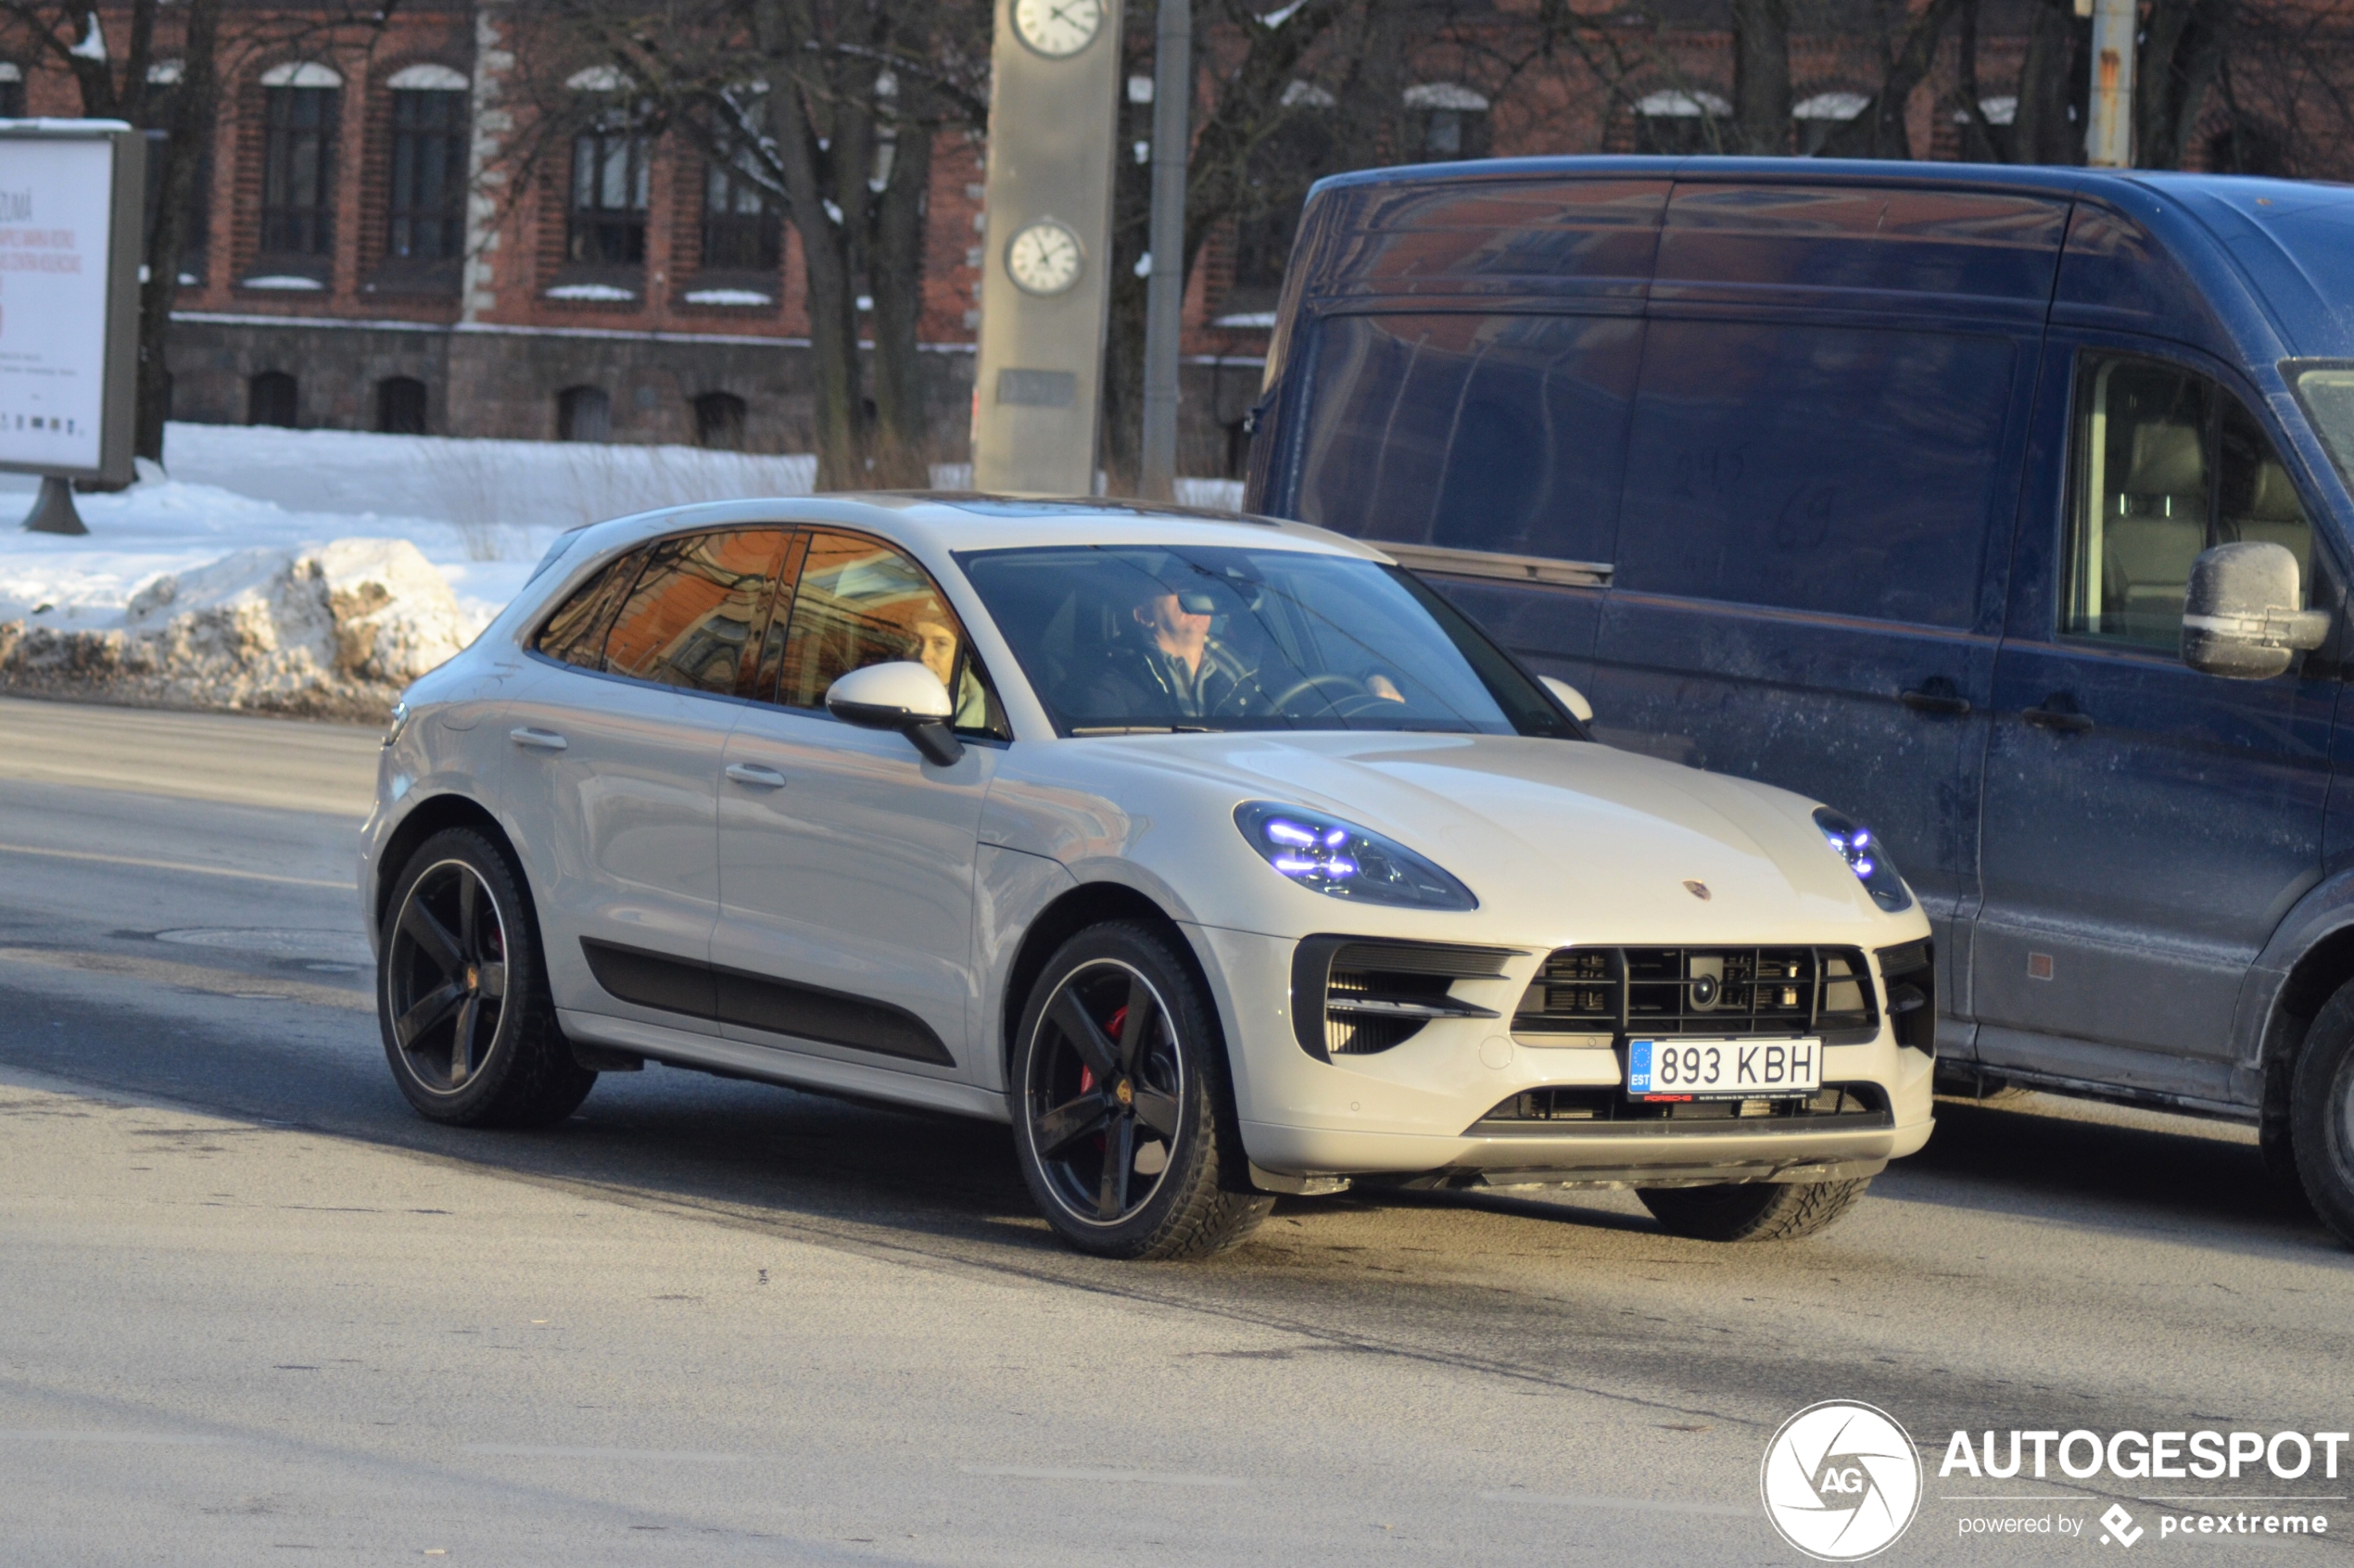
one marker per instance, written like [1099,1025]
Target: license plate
[1724,1070]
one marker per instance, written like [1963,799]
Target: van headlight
[1345,860]
[1867,857]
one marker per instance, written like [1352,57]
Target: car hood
[1560,841]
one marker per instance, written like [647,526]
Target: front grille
[1354,998]
[1727,992]
[1541,1109]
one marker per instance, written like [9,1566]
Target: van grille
[1723,993]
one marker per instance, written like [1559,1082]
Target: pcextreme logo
[1841,1481]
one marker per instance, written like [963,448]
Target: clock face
[1058,29]
[1044,257]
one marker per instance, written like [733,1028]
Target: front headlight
[1345,860]
[1867,857]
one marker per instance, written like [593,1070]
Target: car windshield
[1120,640]
[2327,392]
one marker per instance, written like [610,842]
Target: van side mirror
[1571,698]
[2240,619]
[904,696]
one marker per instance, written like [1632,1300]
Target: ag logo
[1841,1481]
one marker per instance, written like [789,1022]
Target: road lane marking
[542,1450]
[1142,1477]
[1625,1505]
[145,864]
[176,1439]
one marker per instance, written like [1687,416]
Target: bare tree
[831,108]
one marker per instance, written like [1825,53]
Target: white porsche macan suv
[1221,857]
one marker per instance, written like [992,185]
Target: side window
[575,634]
[859,601]
[1496,433]
[690,616]
[2166,464]
[1843,469]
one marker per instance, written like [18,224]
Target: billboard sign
[70,196]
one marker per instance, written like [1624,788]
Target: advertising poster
[57,202]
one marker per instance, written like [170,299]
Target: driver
[1178,667]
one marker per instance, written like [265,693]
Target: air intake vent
[1722,993]
[1911,974]
[1353,998]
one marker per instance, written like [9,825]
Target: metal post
[53,510]
[1165,290]
[2108,140]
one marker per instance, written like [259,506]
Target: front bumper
[1417,1111]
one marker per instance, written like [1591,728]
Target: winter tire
[461,993]
[1122,1119]
[2321,1115]
[1752,1211]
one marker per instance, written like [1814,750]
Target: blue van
[1890,483]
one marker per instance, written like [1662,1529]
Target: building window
[1679,123]
[400,406]
[607,225]
[300,107]
[720,421]
[1300,150]
[1818,115]
[740,233]
[195,216]
[11,91]
[584,413]
[269,399]
[428,210]
[1446,123]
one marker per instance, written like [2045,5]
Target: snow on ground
[481,511]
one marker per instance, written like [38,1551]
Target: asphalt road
[251,1307]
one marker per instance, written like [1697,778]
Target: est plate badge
[1725,1069]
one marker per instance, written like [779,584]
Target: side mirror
[902,696]
[1571,698]
[2240,619]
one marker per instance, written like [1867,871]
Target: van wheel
[2321,1115]
[1752,1211]
[461,993]
[1122,1119]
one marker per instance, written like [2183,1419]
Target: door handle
[537,740]
[2058,712]
[758,777]
[1933,700]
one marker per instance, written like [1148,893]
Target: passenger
[937,645]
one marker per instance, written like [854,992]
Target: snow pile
[333,631]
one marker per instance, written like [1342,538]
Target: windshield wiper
[1143,730]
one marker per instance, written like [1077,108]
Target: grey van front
[1886,483]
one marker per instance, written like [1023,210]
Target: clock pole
[1044,295]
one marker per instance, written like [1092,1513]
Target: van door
[2145,826]
[1821,482]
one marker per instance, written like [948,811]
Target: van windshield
[1123,639]
[2327,392]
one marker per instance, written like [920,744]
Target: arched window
[427,217]
[605,226]
[1819,114]
[11,91]
[400,406]
[1446,121]
[164,79]
[584,413]
[1680,123]
[720,421]
[300,105]
[269,399]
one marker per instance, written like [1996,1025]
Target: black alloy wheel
[462,995]
[1123,1124]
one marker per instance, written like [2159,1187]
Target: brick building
[376,251]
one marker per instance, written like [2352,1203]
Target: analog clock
[1043,259]
[1058,29]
